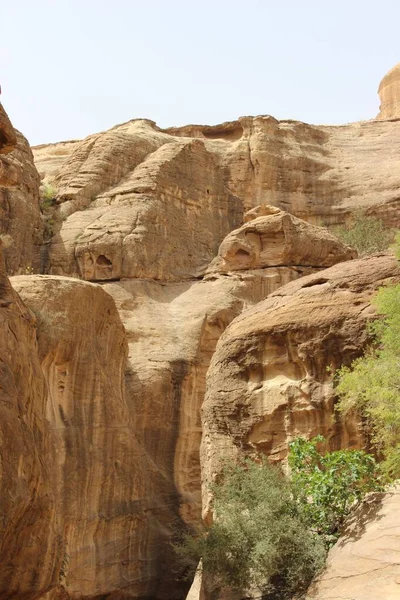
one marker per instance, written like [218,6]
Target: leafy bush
[327,487]
[366,234]
[371,385]
[47,194]
[258,538]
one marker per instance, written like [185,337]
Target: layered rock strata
[318,173]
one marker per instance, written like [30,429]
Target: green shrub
[258,538]
[366,234]
[47,192]
[371,385]
[327,487]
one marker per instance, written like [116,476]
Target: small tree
[366,234]
[258,538]
[371,385]
[327,487]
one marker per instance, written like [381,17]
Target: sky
[69,68]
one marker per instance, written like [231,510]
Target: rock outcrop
[389,93]
[29,545]
[365,563]
[317,173]
[165,221]
[8,139]
[19,200]
[105,357]
[271,376]
[278,239]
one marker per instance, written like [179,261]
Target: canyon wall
[153,244]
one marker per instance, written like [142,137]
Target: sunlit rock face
[278,239]
[271,376]
[106,357]
[317,173]
[365,564]
[389,94]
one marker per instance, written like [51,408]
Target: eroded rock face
[107,492]
[8,139]
[389,93]
[270,378]
[19,200]
[277,238]
[318,173]
[365,562]
[164,221]
[29,521]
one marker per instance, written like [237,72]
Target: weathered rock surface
[8,139]
[365,563]
[29,523]
[106,403]
[389,93]
[165,221]
[107,493]
[19,200]
[318,173]
[278,239]
[270,378]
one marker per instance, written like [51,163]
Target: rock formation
[278,239]
[8,139]
[389,94]
[105,354]
[318,173]
[19,200]
[270,378]
[365,563]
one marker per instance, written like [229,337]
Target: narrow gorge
[170,298]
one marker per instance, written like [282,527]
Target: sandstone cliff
[19,200]
[271,376]
[318,173]
[150,259]
[365,563]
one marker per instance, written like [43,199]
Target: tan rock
[365,563]
[318,173]
[389,93]
[165,221]
[19,200]
[115,509]
[278,239]
[8,139]
[29,522]
[270,378]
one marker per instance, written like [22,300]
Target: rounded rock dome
[389,93]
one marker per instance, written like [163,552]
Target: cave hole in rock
[103,261]
[242,253]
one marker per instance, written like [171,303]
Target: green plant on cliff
[258,538]
[328,486]
[270,532]
[371,385]
[365,233]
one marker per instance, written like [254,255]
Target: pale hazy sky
[69,68]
